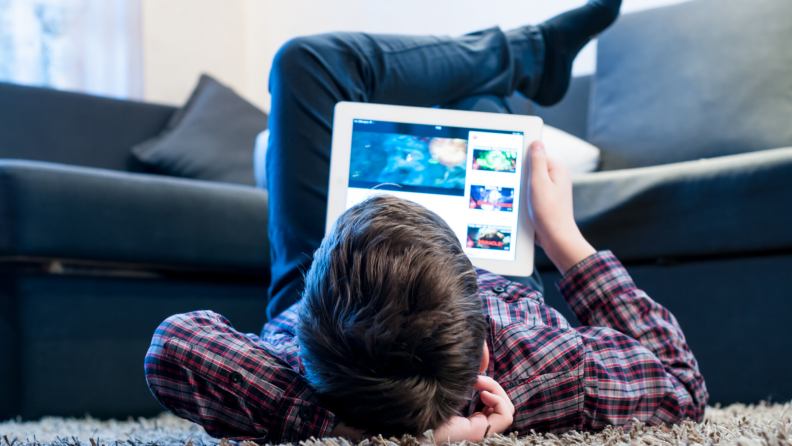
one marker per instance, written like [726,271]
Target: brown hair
[391,327]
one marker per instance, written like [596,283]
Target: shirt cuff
[301,419]
[592,282]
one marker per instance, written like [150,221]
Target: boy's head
[391,327]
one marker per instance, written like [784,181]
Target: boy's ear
[484,360]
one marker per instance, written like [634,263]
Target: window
[91,46]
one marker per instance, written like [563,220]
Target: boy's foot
[564,36]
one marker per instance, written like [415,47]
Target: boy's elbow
[692,401]
[160,367]
[163,364]
[697,395]
[701,397]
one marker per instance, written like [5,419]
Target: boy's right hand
[550,208]
[498,415]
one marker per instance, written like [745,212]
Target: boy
[396,332]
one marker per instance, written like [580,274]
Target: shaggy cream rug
[740,425]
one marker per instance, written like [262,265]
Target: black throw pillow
[211,138]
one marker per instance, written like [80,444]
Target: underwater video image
[489,237]
[414,163]
[492,198]
[495,160]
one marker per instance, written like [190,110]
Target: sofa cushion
[210,138]
[579,156]
[56,211]
[694,80]
[726,206]
[71,128]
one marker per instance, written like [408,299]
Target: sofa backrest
[49,125]
[572,112]
[569,115]
[71,128]
[693,80]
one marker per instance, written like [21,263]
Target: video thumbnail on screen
[495,160]
[492,198]
[489,237]
[423,164]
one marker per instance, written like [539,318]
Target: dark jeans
[311,74]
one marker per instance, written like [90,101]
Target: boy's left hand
[551,211]
[498,414]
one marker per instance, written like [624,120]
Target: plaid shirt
[630,360]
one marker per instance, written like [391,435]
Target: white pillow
[259,158]
[580,156]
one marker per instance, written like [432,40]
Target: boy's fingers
[490,390]
[485,383]
[538,161]
[557,170]
[495,402]
[501,416]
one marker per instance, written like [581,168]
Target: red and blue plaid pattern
[629,361]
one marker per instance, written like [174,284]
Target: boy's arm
[203,370]
[641,362]
[637,361]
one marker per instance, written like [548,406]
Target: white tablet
[468,167]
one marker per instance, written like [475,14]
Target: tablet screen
[470,177]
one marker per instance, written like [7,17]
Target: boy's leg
[310,75]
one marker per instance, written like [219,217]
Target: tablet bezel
[531,127]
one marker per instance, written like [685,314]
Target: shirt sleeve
[638,363]
[203,370]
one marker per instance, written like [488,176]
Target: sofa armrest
[722,206]
[54,211]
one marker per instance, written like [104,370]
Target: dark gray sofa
[94,254]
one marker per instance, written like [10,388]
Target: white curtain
[91,46]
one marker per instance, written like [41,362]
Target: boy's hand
[498,414]
[550,208]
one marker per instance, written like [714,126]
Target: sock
[564,36]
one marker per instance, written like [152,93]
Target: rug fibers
[739,425]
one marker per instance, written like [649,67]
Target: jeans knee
[297,57]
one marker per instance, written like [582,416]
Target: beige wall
[235,40]
[182,38]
